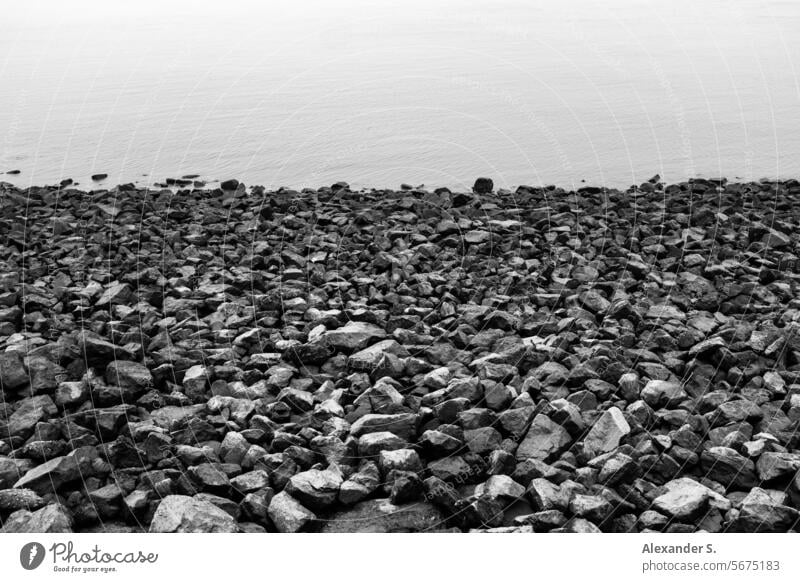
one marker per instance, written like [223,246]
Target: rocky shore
[542,360]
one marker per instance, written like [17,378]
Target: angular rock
[184,514]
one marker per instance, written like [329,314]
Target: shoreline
[197,182]
[536,360]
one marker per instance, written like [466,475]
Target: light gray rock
[52,518]
[381,516]
[184,514]
[606,433]
[685,499]
[288,514]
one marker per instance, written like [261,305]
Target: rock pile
[542,360]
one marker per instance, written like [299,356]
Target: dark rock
[545,440]
[483,186]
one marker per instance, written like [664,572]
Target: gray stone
[381,516]
[544,440]
[52,518]
[183,514]
[606,433]
[315,489]
[288,514]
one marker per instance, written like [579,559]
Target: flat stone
[353,336]
[381,516]
[403,425]
[53,474]
[685,499]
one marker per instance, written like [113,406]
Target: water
[435,92]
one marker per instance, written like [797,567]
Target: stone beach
[230,359]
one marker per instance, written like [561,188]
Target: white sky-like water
[435,92]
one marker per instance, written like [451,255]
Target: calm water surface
[425,91]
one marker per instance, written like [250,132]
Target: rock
[361,484]
[132,376]
[55,473]
[547,496]
[210,477]
[659,393]
[762,511]
[726,466]
[379,358]
[606,434]
[544,440]
[52,518]
[406,487]
[251,481]
[288,515]
[16,499]
[482,441]
[483,186]
[353,336]
[543,521]
[500,487]
[12,371]
[476,237]
[595,347]
[773,466]
[619,468]
[707,346]
[665,311]
[71,393]
[579,525]
[381,516]
[107,500]
[776,239]
[400,460]
[184,514]
[451,469]
[233,448]
[372,444]
[195,381]
[115,294]
[685,499]
[402,425]
[99,177]
[315,489]
[592,507]
[436,444]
